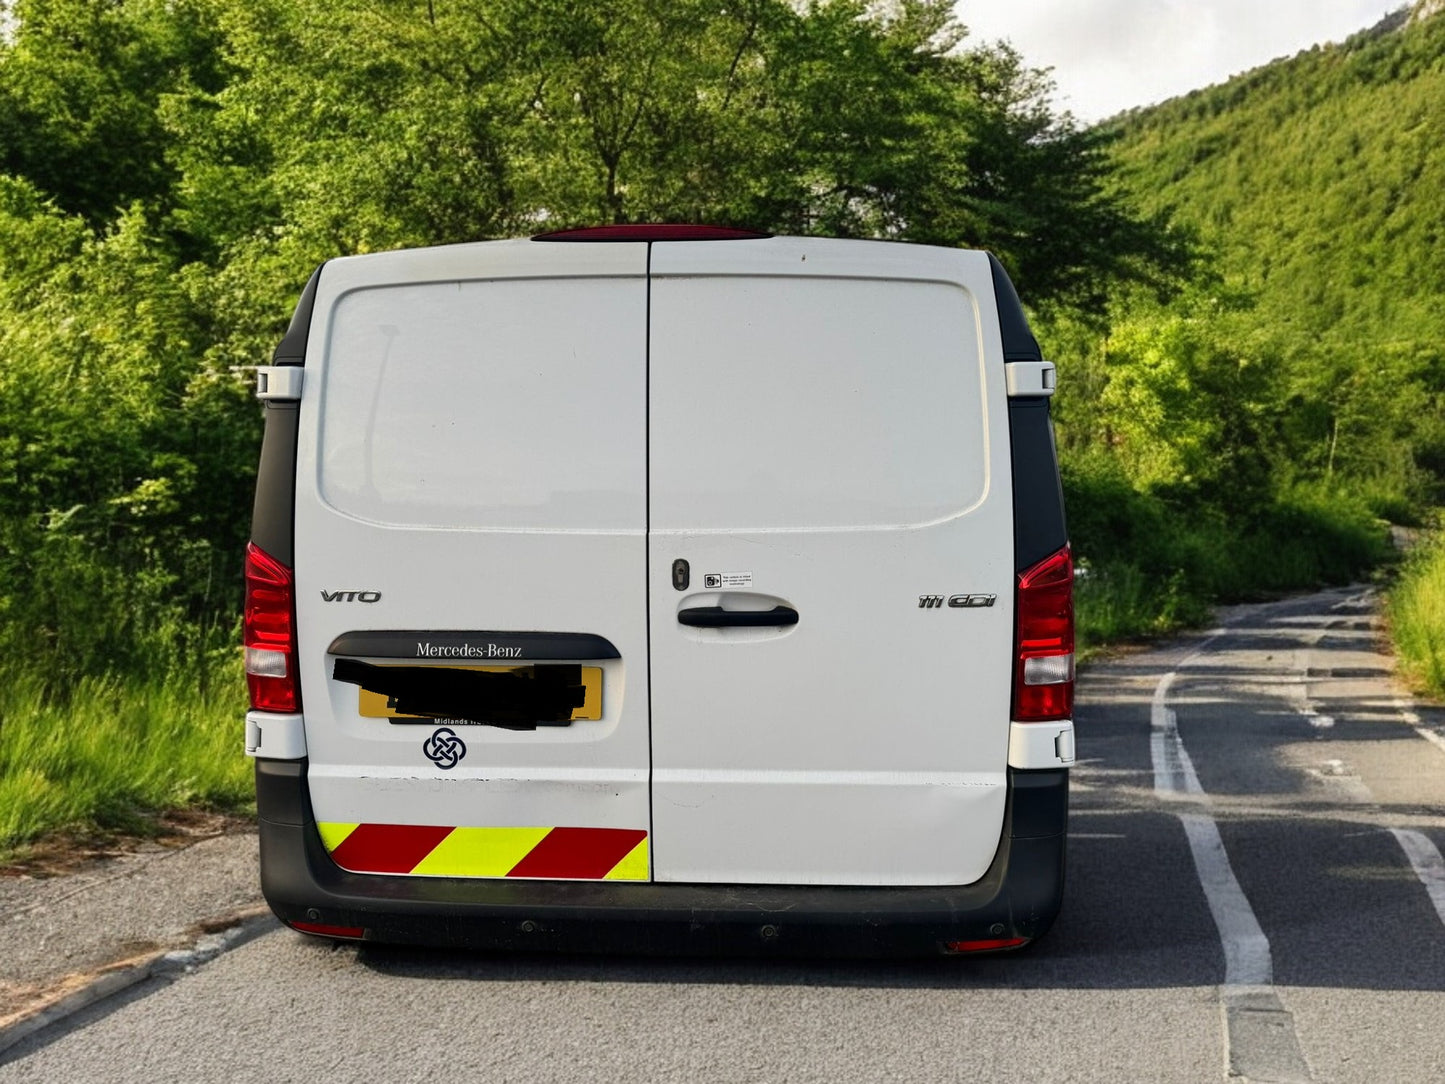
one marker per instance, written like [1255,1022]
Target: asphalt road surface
[1256,892]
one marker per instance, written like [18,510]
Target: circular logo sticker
[444,748]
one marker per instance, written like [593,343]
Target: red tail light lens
[1044,667]
[990,944]
[268,630]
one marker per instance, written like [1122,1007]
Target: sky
[1109,55]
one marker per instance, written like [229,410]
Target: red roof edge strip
[653,231]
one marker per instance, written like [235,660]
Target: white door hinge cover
[279,381]
[1030,378]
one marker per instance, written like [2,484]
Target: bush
[1416,612]
[1155,560]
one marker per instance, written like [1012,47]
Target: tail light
[269,633]
[1044,663]
[990,944]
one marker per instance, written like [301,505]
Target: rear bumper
[1018,897]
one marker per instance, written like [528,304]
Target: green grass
[1116,603]
[110,750]
[1416,609]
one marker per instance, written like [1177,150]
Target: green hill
[1317,186]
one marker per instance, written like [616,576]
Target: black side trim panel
[292,350]
[1039,527]
[1019,343]
[272,514]
[1019,896]
[473,646]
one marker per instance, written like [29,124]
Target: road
[1256,892]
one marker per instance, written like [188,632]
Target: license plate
[374,705]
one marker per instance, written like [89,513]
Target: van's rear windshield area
[502,404]
[801,403]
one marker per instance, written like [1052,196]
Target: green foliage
[351,127]
[1416,610]
[80,82]
[117,747]
[1316,183]
[1245,436]
[1154,559]
[122,462]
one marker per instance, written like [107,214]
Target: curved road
[1256,892]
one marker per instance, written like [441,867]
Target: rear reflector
[320,929]
[1044,666]
[653,231]
[988,945]
[268,630]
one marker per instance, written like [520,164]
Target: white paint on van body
[450,462]
[821,415]
[485,434]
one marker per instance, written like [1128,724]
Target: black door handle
[715,617]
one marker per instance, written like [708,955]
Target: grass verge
[1416,611]
[110,751]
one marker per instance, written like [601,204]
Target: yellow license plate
[373,705]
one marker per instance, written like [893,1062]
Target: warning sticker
[717,581]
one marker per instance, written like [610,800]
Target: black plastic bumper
[1018,897]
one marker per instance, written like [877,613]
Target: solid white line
[1247,960]
[1428,864]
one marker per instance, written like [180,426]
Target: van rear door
[829,456]
[470,500]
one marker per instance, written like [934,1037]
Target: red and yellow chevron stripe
[423,850]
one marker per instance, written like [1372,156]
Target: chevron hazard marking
[480,852]
[562,853]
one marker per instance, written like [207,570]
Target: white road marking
[1408,714]
[1260,1041]
[1259,1036]
[1427,863]
[1247,960]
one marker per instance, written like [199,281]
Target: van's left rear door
[471,492]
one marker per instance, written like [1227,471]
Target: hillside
[1317,183]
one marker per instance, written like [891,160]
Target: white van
[658,588]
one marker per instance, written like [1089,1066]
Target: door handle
[715,617]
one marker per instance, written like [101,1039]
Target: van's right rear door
[828,447]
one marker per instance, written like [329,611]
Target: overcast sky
[1108,55]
